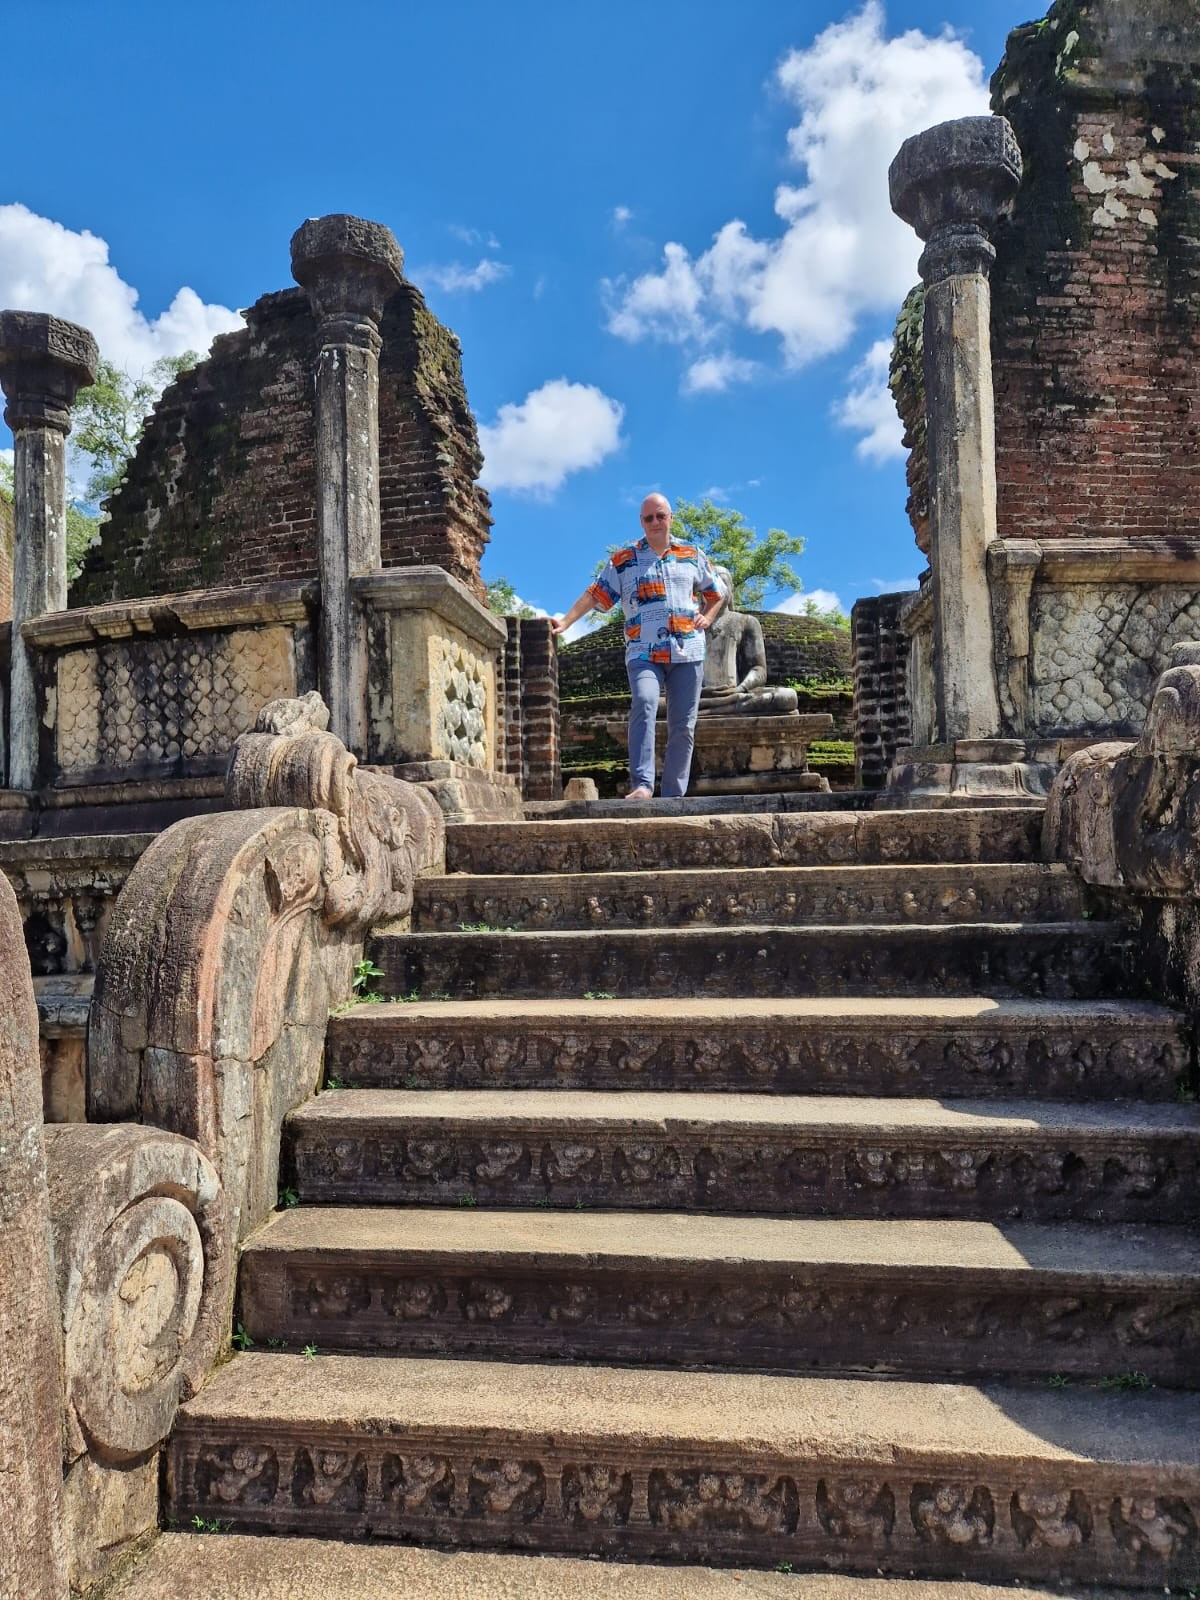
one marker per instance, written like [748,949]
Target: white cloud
[805,600]
[474,236]
[712,374]
[858,95]
[895,585]
[621,215]
[556,430]
[47,267]
[867,407]
[588,623]
[715,492]
[456,278]
[665,305]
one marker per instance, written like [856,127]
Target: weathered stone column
[952,183]
[43,364]
[32,1550]
[348,268]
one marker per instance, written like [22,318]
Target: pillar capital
[44,362]
[348,267]
[952,184]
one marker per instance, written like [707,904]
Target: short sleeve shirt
[658,596]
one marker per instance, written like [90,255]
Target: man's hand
[558,625]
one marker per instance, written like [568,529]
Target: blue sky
[659,229]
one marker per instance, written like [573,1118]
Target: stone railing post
[952,184]
[348,268]
[44,362]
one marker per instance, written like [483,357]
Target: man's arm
[586,602]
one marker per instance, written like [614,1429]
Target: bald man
[659,582]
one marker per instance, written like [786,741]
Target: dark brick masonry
[221,489]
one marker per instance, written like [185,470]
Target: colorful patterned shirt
[658,597]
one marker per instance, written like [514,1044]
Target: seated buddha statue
[735,666]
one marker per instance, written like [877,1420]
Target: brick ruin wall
[221,490]
[530,711]
[881,712]
[1096,286]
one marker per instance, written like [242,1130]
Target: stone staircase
[781,1190]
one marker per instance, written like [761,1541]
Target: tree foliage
[502,598]
[109,416]
[757,562]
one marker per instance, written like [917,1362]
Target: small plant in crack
[241,1339]
[1124,1382]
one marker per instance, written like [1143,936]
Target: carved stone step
[1064,1050]
[938,1479]
[747,896]
[181,1566]
[949,1299]
[791,1155]
[1063,960]
[795,839]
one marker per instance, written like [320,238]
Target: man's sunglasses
[656,516]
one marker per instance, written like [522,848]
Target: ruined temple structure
[440,1188]
[222,489]
[1058,424]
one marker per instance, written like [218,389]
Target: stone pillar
[33,1560]
[952,183]
[43,364]
[348,268]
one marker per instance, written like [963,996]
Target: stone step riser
[821,1172]
[1079,1519]
[783,896]
[1052,961]
[1093,1060]
[794,1318]
[797,839]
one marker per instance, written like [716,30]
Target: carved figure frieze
[1153,1528]
[1065,1177]
[735,1502]
[237,1475]
[1130,1065]
[888,1517]
[515,1490]
[859,1509]
[334,1478]
[1051,1519]
[418,1484]
[597,1495]
[953,1514]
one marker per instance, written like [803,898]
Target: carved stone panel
[166,702]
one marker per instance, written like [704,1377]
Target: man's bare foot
[640,793]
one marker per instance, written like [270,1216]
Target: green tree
[6,479]
[502,598]
[109,416]
[757,562]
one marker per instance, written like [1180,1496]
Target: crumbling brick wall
[881,711]
[531,717]
[1096,286]
[222,489]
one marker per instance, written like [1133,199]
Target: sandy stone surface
[565,1110]
[184,1566]
[834,1419]
[615,1239]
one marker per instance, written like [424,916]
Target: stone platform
[749,754]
